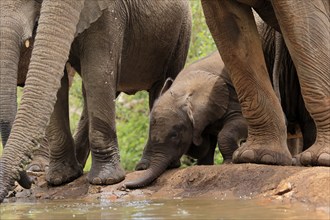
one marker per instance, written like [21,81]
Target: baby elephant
[194,112]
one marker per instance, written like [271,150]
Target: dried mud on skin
[308,185]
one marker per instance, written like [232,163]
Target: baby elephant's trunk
[148,176]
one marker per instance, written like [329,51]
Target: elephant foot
[270,153]
[143,164]
[317,155]
[105,173]
[39,164]
[227,161]
[174,164]
[61,172]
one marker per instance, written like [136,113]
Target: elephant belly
[139,76]
[150,44]
[143,64]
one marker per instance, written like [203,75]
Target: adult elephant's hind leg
[307,35]
[63,165]
[234,31]
[81,135]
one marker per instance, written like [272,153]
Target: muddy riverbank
[306,185]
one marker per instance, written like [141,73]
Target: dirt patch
[309,185]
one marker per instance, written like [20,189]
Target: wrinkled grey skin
[298,119]
[305,29]
[191,115]
[8,95]
[116,46]
[8,105]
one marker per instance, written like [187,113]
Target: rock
[283,188]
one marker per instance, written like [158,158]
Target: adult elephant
[123,46]
[305,28]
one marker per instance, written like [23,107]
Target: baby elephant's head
[170,136]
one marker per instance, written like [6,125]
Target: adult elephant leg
[99,68]
[307,37]
[81,135]
[63,165]
[234,31]
[308,130]
[40,160]
[103,143]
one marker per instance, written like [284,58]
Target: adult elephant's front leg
[234,31]
[100,94]
[99,69]
[63,165]
[307,35]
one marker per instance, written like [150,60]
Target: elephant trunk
[157,167]
[56,30]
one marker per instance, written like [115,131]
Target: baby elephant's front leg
[233,133]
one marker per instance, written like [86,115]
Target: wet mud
[284,184]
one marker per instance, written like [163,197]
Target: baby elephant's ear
[197,131]
[166,85]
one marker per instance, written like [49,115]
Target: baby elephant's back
[207,70]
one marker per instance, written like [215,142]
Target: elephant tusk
[27,43]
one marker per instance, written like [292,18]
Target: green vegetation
[132,111]
[201,43]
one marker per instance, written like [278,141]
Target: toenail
[268,159]
[235,155]
[34,168]
[248,156]
[109,181]
[324,159]
[57,181]
[294,161]
[306,158]
[97,181]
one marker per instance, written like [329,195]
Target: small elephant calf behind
[194,112]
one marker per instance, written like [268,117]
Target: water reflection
[194,208]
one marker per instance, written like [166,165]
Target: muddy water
[194,208]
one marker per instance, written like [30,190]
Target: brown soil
[309,185]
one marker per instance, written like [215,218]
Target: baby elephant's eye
[174,135]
